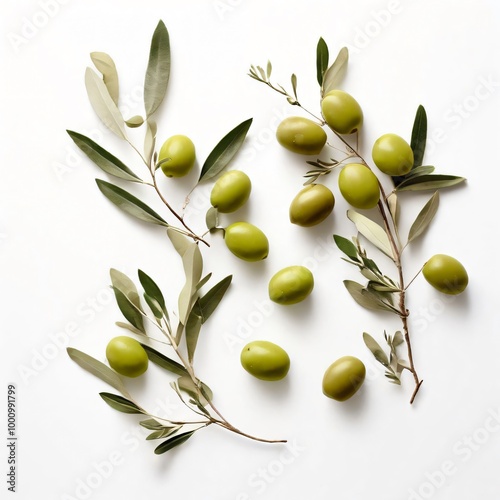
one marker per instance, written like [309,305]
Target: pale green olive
[291,285]
[359,186]
[446,274]
[392,155]
[231,191]
[246,241]
[343,378]
[126,356]
[342,112]
[177,156]
[312,205]
[301,135]
[265,360]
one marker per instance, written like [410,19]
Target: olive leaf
[164,361]
[425,217]
[193,327]
[150,141]
[212,218]
[209,302]
[375,348]
[152,290]
[371,231]
[120,403]
[427,182]
[129,310]
[294,85]
[129,203]
[102,158]
[129,327]
[103,105]
[201,392]
[158,71]
[224,151]
[152,424]
[419,136]
[367,298]
[98,369]
[135,121]
[393,204]
[346,246]
[421,170]
[173,442]
[322,56]
[335,72]
[163,432]
[105,64]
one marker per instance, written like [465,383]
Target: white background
[60,237]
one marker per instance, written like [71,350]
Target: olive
[177,156]
[301,135]
[126,356]
[343,378]
[246,241]
[342,112]
[291,285]
[231,191]
[265,360]
[359,186]
[312,205]
[446,274]
[392,155]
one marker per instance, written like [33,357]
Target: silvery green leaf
[393,378]
[422,170]
[102,158]
[346,247]
[427,182]
[209,302]
[103,105]
[134,121]
[404,364]
[382,287]
[425,217]
[100,370]
[164,361]
[123,283]
[129,327]
[212,218]
[154,306]
[105,64]
[368,274]
[419,136]
[193,327]
[152,290]
[398,339]
[152,424]
[393,203]
[129,203]
[224,151]
[262,73]
[365,298]
[150,140]
[173,442]
[201,393]
[163,432]
[375,348]
[120,403]
[269,69]
[129,310]
[334,74]
[203,281]
[322,56]
[158,71]
[294,84]
[371,231]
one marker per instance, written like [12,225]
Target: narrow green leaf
[419,136]
[346,246]
[322,57]
[209,302]
[425,217]
[129,311]
[203,281]
[154,306]
[334,74]
[163,432]
[123,283]
[129,203]
[163,361]
[366,298]
[393,202]
[375,348]
[134,121]
[129,327]
[422,170]
[371,231]
[294,84]
[158,71]
[103,105]
[150,140]
[105,64]
[152,424]
[212,218]
[98,369]
[203,394]
[102,158]
[152,290]
[193,327]
[225,150]
[128,299]
[398,339]
[120,403]
[173,442]
[269,69]
[428,182]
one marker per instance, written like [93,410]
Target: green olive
[291,285]
[343,378]
[392,155]
[126,356]
[301,135]
[231,191]
[446,274]
[359,186]
[246,241]
[265,360]
[342,112]
[177,156]
[312,205]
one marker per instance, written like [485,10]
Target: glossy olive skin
[343,378]
[246,241]
[342,112]
[265,360]
[126,356]
[231,191]
[291,285]
[359,186]
[446,274]
[312,205]
[180,152]
[392,155]
[301,135]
